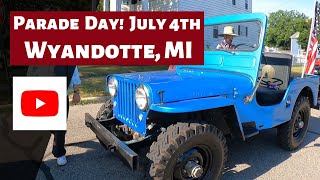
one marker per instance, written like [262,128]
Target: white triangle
[39,103]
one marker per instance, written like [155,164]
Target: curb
[91,100]
[100,98]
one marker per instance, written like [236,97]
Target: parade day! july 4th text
[37,49]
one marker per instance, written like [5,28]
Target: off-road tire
[105,110]
[178,139]
[286,137]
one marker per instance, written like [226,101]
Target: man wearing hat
[228,34]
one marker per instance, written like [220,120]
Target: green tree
[100,6]
[282,25]
[304,36]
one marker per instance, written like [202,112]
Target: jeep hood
[190,84]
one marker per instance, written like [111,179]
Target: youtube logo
[39,103]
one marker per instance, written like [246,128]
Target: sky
[268,6]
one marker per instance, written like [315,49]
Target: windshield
[240,36]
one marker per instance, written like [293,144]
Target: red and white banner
[312,49]
[106,38]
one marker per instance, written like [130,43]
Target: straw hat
[228,30]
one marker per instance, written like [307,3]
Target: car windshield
[240,36]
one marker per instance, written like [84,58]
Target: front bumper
[112,142]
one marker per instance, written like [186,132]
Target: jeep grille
[126,105]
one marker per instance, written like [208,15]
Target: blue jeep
[184,116]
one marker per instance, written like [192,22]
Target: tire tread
[168,142]
[284,130]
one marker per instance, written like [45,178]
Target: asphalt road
[257,158]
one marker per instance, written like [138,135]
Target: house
[247,32]
[296,51]
[210,7]
[295,47]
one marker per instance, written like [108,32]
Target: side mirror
[267,71]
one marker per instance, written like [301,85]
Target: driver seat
[282,65]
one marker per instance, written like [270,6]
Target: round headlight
[142,97]
[113,85]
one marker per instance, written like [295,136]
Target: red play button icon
[39,103]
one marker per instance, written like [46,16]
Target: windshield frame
[233,51]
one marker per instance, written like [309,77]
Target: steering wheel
[249,45]
[275,81]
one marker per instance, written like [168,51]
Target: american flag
[312,50]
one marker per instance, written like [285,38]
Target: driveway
[256,158]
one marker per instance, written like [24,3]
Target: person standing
[73,82]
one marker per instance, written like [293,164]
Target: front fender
[193,105]
[197,105]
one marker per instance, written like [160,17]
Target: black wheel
[188,151]
[291,134]
[106,111]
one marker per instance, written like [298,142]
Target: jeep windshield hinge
[235,93]
[161,96]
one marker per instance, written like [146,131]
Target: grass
[297,69]
[93,78]
[92,87]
